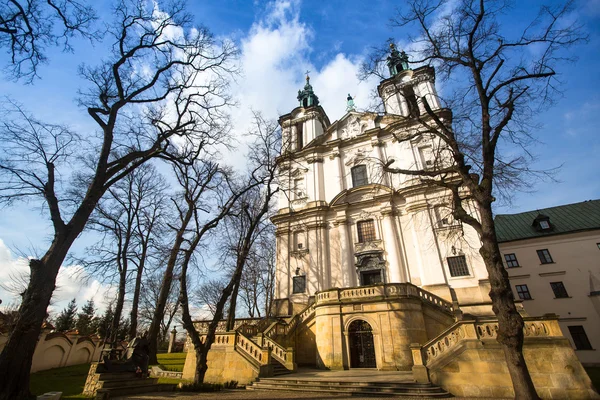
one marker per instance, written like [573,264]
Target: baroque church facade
[371,269]
[343,222]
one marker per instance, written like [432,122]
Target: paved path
[241,394]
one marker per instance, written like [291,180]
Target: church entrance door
[362,348]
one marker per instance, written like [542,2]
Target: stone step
[128,391]
[365,391]
[128,383]
[115,376]
[362,388]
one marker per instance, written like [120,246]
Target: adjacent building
[552,256]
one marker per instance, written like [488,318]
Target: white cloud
[275,54]
[72,282]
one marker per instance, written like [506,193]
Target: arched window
[359,176]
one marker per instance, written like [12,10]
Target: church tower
[343,222]
[405,92]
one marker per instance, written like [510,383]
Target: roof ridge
[540,210]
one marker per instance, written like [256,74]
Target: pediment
[360,194]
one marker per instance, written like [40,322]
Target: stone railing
[383,291]
[281,354]
[253,351]
[248,330]
[478,330]
[202,326]
[279,328]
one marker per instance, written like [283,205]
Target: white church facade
[343,222]
[371,269]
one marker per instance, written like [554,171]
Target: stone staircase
[279,369]
[364,388]
[111,384]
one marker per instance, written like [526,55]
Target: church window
[544,256]
[580,338]
[299,136]
[366,231]
[299,284]
[559,290]
[458,266]
[523,292]
[511,260]
[359,175]
[370,277]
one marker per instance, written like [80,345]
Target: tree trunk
[510,322]
[201,365]
[17,355]
[159,313]
[232,306]
[114,326]
[135,303]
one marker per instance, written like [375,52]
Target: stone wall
[224,365]
[470,349]
[55,349]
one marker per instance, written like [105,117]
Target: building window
[366,231]
[580,338]
[458,266]
[598,244]
[544,224]
[559,290]
[299,136]
[359,175]
[545,257]
[370,277]
[511,260]
[299,284]
[523,292]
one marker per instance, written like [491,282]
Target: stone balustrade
[480,330]
[284,356]
[251,349]
[389,291]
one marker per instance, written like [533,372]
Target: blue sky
[279,40]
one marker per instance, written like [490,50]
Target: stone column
[396,269]
[172,340]
[347,259]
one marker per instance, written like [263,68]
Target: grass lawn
[171,361]
[70,380]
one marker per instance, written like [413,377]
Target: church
[372,271]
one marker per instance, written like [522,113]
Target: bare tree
[129,218]
[196,179]
[251,204]
[149,294]
[28,28]
[208,293]
[498,80]
[150,225]
[162,82]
